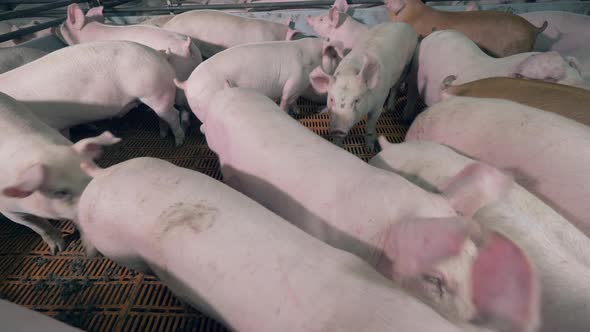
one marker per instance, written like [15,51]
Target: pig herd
[477,222]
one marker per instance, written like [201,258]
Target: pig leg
[291,91]
[390,107]
[412,96]
[48,233]
[163,106]
[372,118]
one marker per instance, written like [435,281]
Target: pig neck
[351,32]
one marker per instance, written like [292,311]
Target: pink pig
[95,81]
[41,176]
[238,262]
[410,235]
[560,252]
[548,153]
[215,31]
[183,54]
[337,27]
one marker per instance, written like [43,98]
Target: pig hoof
[179,140]
[56,244]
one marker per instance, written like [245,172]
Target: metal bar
[266,5]
[36,10]
[44,25]
[28,30]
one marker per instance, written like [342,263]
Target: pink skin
[184,55]
[295,282]
[365,77]
[560,252]
[214,31]
[337,26]
[449,52]
[42,176]
[94,81]
[279,70]
[369,212]
[548,168]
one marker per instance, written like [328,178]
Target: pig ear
[415,245]
[95,12]
[90,148]
[333,16]
[75,17]
[476,186]
[574,63]
[340,5]
[179,84]
[505,290]
[395,6]
[320,80]
[28,181]
[370,72]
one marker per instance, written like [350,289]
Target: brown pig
[565,100]
[498,33]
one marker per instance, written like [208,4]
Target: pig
[498,33]
[338,198]
[42,176]
[567,101]
[18,318]
[338,27]
[173,221]
[13,57]
[279,70]
[565,33]
[507,135]
[364,78]
[214,31]
[94,81]
[560,252]
[182,53]
[449,52]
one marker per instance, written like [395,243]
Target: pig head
[551,67]
[69,31]
[348,95]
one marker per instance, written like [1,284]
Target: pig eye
[356,101]
[517,75]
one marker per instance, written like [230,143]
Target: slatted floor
[99,295]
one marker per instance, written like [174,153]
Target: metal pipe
[41,26]
[28,30]
[36,10]
[255,5]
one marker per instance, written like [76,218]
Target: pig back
[567,101]
[547,153]
[206,241]
[101,77]
[215,31]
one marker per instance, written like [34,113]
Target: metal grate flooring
[99,295]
